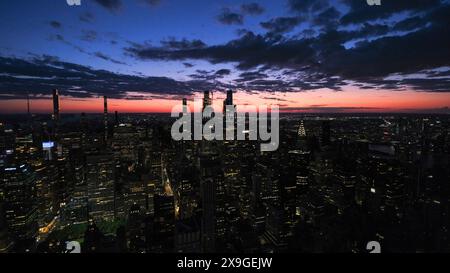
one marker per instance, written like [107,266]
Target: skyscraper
[105,116]
[20,204]
[100,182]
[301,130]
[212,193]
[229,99]
[206,99]
[55,116]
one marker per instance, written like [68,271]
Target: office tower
[100,177]
[125,143]
[46,178]
[206,99]
[301,130]
[135,230]
[20,204]
[105,116]
[76,209]
[164,222]
[84,129]
[6,243]
[116,118]
[212,192]
[134,192]
[28,105]
[229,99]
[188,236]
[55,116]
[7,144]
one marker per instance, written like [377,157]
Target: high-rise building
[228,100]
[206,99]
[116,118]
[100,182]
[55,116]
[20,204]
[105,116]
[164,225]
[6,244]
[213,200]
[301,130]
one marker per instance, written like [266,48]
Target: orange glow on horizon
[351,99]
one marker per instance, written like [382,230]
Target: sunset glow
[350,100]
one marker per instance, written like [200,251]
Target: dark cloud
[112,5]
[252,8]
[322,61]
[399,53]
[250,76]
[223,72]
[424,49]
[38,76]
[281,24]
[229,17]
[89,35]
[107,58]
[60,38]
[183,44]
[210,76]
[86,17]
[248,51]
[55,24]
[328,17]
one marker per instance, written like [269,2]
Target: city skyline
[328,57]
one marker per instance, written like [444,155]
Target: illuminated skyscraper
[100,181]
[212,193]
[6,243]
[20,203]
[55,116]
[105,116]
[301,130]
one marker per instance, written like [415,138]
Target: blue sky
[26,28]
[176,48]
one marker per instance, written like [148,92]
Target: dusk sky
[304,55]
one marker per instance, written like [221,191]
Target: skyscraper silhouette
[55,116]
[105,116]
